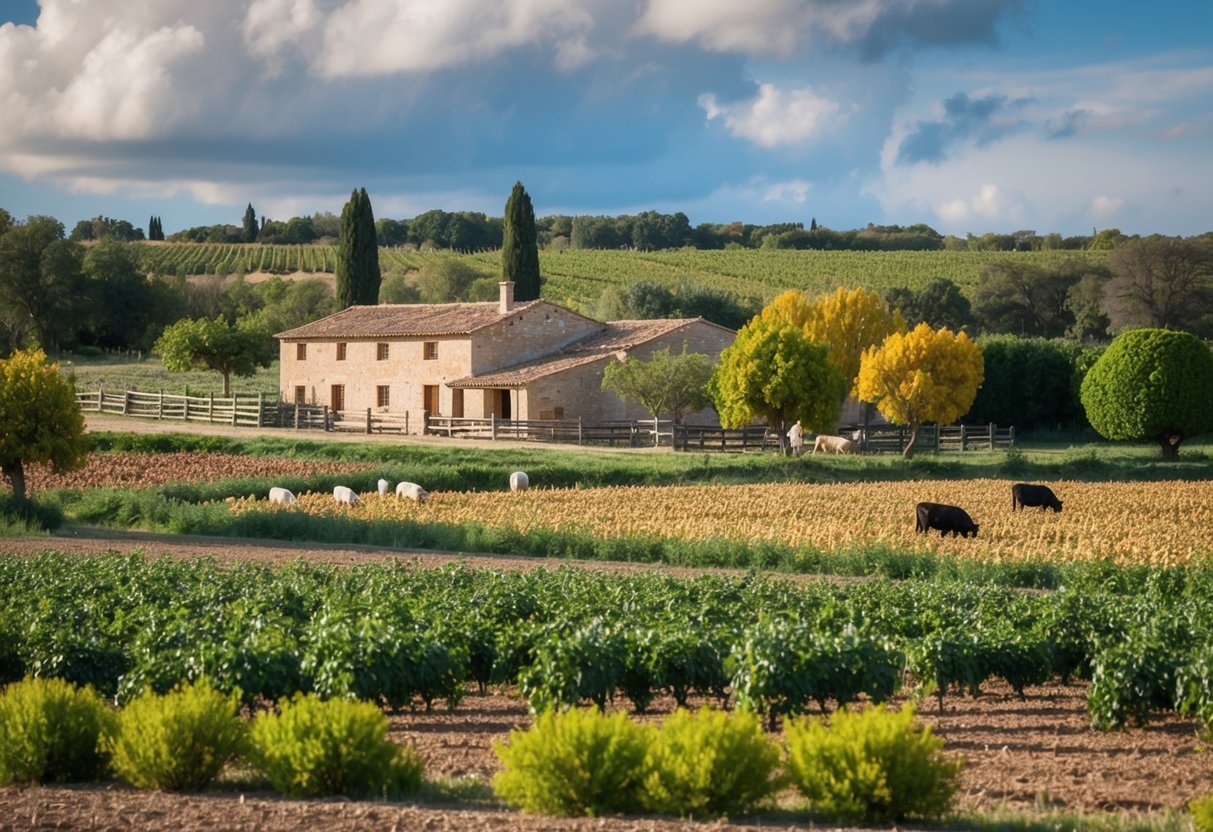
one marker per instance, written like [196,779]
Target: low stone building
[512,360]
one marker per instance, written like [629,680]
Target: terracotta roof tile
[404,320]
[617,336]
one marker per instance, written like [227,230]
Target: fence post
[126,403]
[493,426]
[233,410]
[1011,435]
[210,406]
[964,438]
[368,420]
[327,423]
[991,436]
[406,421]
[579,434]
[296,415]
[100,396]
[260,409]
[186,412]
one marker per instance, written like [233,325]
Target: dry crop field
[1152,523]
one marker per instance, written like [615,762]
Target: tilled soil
[1021,755]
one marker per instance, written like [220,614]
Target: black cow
[945,518]
[1031,496]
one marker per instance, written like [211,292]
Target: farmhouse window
[431,350]
[383,397]
[341,352]
[383,353]
[429,399]
[300,394]
[301,351]
[337,397]
[457,403]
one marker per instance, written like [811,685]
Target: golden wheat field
[1158,523]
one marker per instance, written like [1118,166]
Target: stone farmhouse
[512,360]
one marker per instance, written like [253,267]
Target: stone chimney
[506,302]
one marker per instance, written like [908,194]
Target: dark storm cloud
[980,120]
[935,24]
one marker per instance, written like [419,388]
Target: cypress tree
[357,253]
[519,247]
[250,224]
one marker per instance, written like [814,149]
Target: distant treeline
[646,231]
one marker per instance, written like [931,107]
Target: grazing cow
[345,496]
[1031,496]
[412,491]
[519,481]
[384,485]
[281,495]
[835,445]
[946,518]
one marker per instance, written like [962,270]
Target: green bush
[1202,813]
[576,762]
[711,763]
[871,766]
[314,747]
[178,741]
[51,731]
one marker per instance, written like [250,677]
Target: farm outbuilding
[528,360]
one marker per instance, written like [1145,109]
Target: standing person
[796,437]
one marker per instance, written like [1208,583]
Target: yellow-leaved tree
[924,375]
[846,323]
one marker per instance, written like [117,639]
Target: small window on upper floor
[301,351]
[341,352]
[382,353]
[431,350]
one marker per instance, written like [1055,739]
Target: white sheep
[412,491]
[345,496]
[519,481]
[383,487]
[281,495]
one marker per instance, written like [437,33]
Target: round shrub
[1202,813]
[313,747]
[51,731]
[579,762]
[709,764]
[178,741]
[871,766]
[1153,385]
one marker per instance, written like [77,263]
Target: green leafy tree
[40,282]
[250,226]
[939,303]
[40,420]
[773,371]
[215,344]
[666,383]
[1151,384]
[519,248]
[924,375]
[121,312]
[358,274]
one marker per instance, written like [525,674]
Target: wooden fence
[260,411]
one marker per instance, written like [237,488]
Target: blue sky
[968,115]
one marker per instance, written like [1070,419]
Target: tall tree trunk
[909,449]
[783,439]
[15,472]
[227,384]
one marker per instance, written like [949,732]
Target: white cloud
[793,191]
[775,117]
[990,204]
[375,37]
[1106,207]
[760,27]
[270,26]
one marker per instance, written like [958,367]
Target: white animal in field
[384,485]
[412,491]
[519,481]
[345,496]
[835,445]
[281,495]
